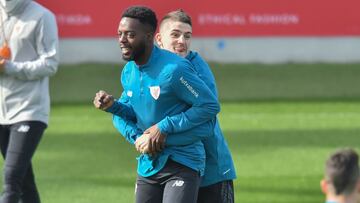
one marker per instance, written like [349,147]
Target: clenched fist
[103,100]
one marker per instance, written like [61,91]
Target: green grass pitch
[281,122]
[279,149]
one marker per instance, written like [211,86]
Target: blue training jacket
[168,92]
[219,163]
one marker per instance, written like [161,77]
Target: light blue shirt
[168,92]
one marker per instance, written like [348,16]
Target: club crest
[129,93]
[155,91]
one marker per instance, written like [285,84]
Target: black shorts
[222,192]
[175,183]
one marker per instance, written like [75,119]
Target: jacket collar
[19,9]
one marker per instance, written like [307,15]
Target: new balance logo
[227,171]
[178,183]
[23,129]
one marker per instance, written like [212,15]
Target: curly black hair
[142,13]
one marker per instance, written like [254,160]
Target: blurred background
[258,49]
[288,78]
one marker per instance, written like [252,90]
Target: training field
[279,144]
[279,149]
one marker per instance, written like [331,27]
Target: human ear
[323,186]
[158,40]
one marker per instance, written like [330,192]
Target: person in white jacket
[28,57]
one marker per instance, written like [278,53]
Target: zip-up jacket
[24,86]
[219,163]
[166,91]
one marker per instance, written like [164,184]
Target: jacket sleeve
[122,108]
[195,134]
[127,128]
[47,49]
[124,119]
[189,88]
[125,124]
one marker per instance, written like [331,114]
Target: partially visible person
[175,33]
[163,101]
[28,56]
[341,183]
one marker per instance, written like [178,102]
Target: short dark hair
[178,15]
[342,170]
[142,13]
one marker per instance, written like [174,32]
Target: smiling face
[175,36]
[133,39]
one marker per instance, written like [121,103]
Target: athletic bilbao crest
[155,91]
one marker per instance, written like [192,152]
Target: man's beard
[137,53]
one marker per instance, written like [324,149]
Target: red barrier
[226,18]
